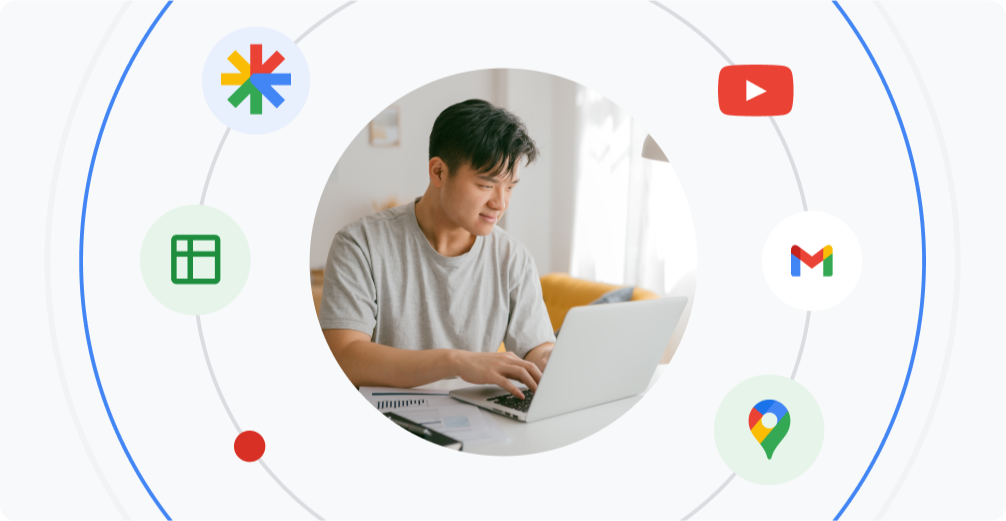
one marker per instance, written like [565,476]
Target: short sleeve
[349,296]
[529,325]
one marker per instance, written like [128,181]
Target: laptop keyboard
[511,401]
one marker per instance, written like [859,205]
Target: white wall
[565,135]
[529,96]
[541,210]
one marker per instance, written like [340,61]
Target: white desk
[550,433]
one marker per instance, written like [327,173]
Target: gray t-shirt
[384,279]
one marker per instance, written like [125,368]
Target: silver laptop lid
[604,353]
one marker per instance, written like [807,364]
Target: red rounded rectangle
[756,90]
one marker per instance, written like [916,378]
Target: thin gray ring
[323,20]
[216,385]
[199,324]
[213,164]
[710,498]
[792,163]
[800,354]
[288,491]
[213,375]
[789,156]
[803,201]
[957,260]
[803,342]
[57,357]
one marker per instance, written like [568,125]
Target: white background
[330,447]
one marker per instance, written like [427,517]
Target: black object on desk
[425,433]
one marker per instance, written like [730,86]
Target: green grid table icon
[195,259]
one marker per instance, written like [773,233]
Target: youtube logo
[756,90]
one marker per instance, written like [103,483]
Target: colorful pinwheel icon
[255,79]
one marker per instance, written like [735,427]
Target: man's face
[476,201]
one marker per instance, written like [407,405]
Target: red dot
[249,446]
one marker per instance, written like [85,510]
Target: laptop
[603,353]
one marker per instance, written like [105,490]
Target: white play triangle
[753,91]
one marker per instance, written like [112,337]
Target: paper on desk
[438,411]
[388,398]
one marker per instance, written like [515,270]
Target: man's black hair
[489,138]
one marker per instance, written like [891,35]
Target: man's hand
[539,355]
[498,368]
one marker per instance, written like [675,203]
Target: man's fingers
[509,387]
[510,366]
[521,374]
[534,370]
[531,368]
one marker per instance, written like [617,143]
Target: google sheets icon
[195,259]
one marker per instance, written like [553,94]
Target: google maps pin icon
[769,423]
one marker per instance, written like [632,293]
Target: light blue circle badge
[255,80]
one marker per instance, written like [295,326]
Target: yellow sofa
[562,293]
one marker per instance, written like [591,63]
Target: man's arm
[368,364]
[539,355]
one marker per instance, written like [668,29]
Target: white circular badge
[812,261]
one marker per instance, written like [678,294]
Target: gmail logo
[798,257]
[809,281]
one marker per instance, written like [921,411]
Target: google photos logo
[255,79]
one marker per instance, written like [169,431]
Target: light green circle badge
[195,260]
[769,429]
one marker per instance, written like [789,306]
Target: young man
[428,290]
